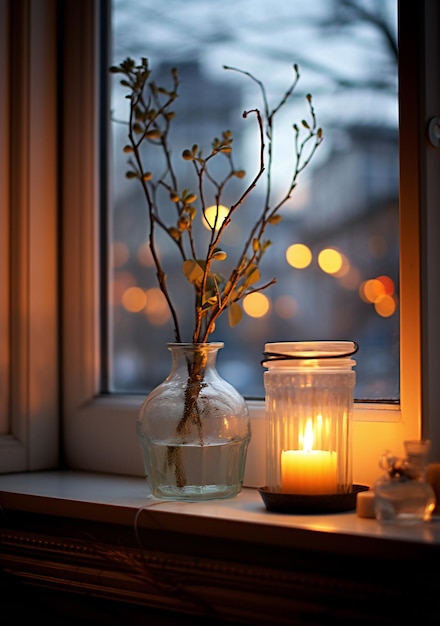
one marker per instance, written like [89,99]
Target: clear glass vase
[402,495]
[194,429]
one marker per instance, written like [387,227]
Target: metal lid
[289,352]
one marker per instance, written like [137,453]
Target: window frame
[105,418]
[98,431]
[28,217]
[4,216]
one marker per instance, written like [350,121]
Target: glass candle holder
[309,404]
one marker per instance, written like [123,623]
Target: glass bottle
[402,494]
[194,429]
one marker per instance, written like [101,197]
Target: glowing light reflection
[298,255]
[211,214]
[330,260]
[256,305]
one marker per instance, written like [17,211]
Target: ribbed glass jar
[309,404]
[194,429]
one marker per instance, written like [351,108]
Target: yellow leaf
[183,223]
[210,301]
[153,134]
[234,314]
[239,173]
[174,232]
[275,219]
[190,198]
[252,275]
[191,211]
[193,272]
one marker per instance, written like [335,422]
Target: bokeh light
[134,299]
[121,282]
[211,215]
[380,292]
[256,304]
[385,306]
[344,269]
[330,260]
[156,307]
[371,290]
[388,284]
[299,255]
[286,307]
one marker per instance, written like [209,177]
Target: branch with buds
[149,126]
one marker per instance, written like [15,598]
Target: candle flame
[308,436]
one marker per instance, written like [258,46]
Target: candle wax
[308,472]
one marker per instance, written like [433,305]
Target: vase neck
[196,357]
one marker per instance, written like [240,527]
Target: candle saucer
[310,504]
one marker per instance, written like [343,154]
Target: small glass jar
[309,402]
[402,495]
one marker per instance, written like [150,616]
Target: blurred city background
[335,255]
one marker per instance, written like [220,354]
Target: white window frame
[28,224]
[99,431]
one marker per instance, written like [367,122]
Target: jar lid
[289,352]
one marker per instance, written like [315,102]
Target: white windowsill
[124,500]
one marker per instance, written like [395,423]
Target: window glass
[344,211]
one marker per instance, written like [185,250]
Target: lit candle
[308,471]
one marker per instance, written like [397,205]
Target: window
[98,429]
[345,205]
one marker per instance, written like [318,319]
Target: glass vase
[402,495]
[194,429]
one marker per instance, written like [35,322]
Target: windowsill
[117,500]
[87,534]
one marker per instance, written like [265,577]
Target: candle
[365,504]
[309,471]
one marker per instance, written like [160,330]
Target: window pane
[344,209]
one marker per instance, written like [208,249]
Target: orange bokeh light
[385,306]
[156,307]
[134,299]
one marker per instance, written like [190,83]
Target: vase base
[196,493]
